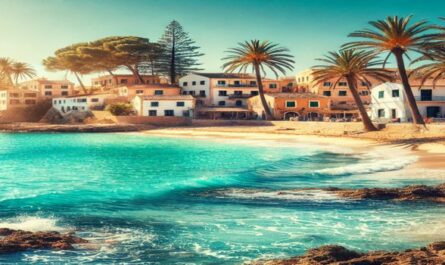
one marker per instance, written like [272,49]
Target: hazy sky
[31,30]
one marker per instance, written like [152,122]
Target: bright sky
[33,29]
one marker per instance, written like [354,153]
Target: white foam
[289,195]
[32,223]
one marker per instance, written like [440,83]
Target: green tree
[180,54]
[120,109]
[22,70]
[354,66]
[258,56]
[6,67]
[397,36]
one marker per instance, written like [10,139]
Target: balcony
[233,96]
[432,98]
[236,85]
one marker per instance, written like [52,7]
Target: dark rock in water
[408,193]
[332,254]
[12,241]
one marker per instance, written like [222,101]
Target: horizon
[31,38]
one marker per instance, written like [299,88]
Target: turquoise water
[154,200]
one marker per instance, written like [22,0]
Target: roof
[151,86]
[225,75]
[169,97]
[223,109]
[294,95]
[123,75]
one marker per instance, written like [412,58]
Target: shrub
[120,109]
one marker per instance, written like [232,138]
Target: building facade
[174,105]
[148,90]
[389,102]
[225,90]
[106,82]
[17,98]
[82,102]
[49,88]
[306,106]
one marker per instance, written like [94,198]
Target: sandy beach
[429,151]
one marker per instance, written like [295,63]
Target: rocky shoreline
[434,253]
[12,241]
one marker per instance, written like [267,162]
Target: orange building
[112,81]
[49,88]
[17,98]
[148,90]
[287,105]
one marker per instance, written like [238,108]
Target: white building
[388,102]
[224,90]
[174,105]
[81,102]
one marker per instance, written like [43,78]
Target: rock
[338,255]
[12,241]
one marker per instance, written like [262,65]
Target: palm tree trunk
[135,73]
[417,118]
[367,123]
[261,92]
[80,82]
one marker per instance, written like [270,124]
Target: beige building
[17,98]
[49,88]
[106,82]
[148,90]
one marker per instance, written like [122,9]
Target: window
[314,104]
[381,113]
[186,113]
[154,104]
[342,84]
[272,86]
[81,100]
[221,103]
[328,84]
[363,83]
[30,101]
[48,86]
[30,95]
[180,104]
[139,91]
[327,93]
[169,112]
[253,83]
[364,93]
[393,114]
[192,93]
[14,95]
[202,82]
[64,93]
[381,94]
[152,112]
[184,83]
[48,93]
[238,92]
[254,93]
[64,87]
[239,103]
[291,104]
[222,93]
[395,93]
[14,101]
[94,100]
[124,81]
[236,83]
[202,93]
[159,92]
[55,102]
[221,82]
[194,83]
[342,93]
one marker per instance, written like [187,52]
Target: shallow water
[153,200]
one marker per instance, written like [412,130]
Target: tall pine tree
[180,54]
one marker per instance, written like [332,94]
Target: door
[426,95]
[432,112]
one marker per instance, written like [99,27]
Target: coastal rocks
[12,241]
[332,254]
[408,193]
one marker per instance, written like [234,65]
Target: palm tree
[6,69]
[355,66]
[397,36]
[433,67]
[21,70]
[258,56]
